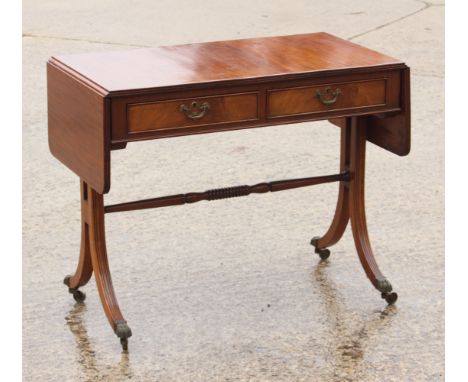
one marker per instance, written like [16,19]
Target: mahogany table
[98,102]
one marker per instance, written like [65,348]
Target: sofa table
[98,102]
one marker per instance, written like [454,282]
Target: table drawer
[333,96]
[186,112]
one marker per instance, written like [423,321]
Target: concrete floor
[231,290]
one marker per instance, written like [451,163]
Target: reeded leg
[357,210]
[101,267]
[84,269]
[94,257]
[341,218]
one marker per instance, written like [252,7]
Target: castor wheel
[124,343]
[324,253]
[78,295]
[123,331]
[390,297]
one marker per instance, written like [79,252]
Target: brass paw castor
[124,343]
[384,286]
[324,253]
[78,295]
[123,331]
[390,297]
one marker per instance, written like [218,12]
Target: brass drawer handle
[195,111]
[328,97]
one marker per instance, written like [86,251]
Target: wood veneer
[126,96]
[248,60]
[79,127]
[167,114]
[99,102]
[304,100]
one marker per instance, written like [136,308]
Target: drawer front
[180,113]
[334,96]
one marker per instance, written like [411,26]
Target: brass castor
[123,331]
[78,295]
[384,286]
[324,253]
[390,297]
[124,343]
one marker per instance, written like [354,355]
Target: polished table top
[98,102]
[289,57]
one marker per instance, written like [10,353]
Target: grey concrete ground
[231,290]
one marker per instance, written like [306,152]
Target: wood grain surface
[393,132]
[350,95]
[167,114]
[79,127]
[239,60]
[101,101]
